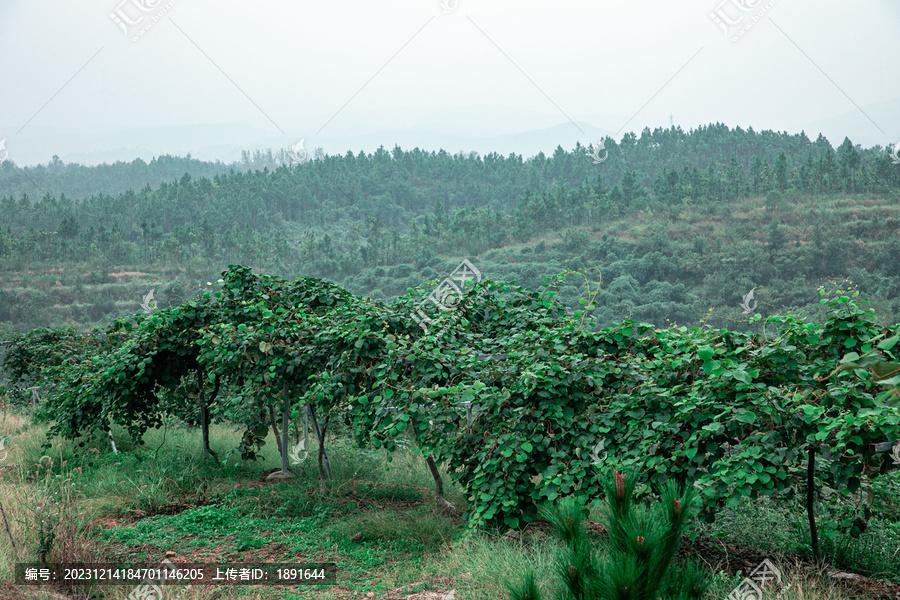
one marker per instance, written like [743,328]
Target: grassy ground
[379,523]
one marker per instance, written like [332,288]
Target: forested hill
[78,181]
[711,147]
[695,210]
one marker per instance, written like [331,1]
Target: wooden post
[810,498]
[284,430]
[112,442]
[881,447]
[305,429]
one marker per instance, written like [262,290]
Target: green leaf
[747,417]
[712,367]
[850,357]
[889,343]
[741,376]
[716,428]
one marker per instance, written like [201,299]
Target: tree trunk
[324,467]
[439,487]
[215,392]
[810,497]
[204,417]
[438,482]
[275,432]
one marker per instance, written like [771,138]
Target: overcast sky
[353,74]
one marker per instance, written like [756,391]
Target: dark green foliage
[735,412]
[776,238]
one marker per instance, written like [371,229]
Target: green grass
[769,526]
[389,492]
[378,524]
[165,497]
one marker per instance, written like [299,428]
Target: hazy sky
[268,73]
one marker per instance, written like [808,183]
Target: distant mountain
[479,128]
[96,145]
[226,142]
[886,116]
[526,143]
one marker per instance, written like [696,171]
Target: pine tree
[777,239]
[781,172]
[638,552]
